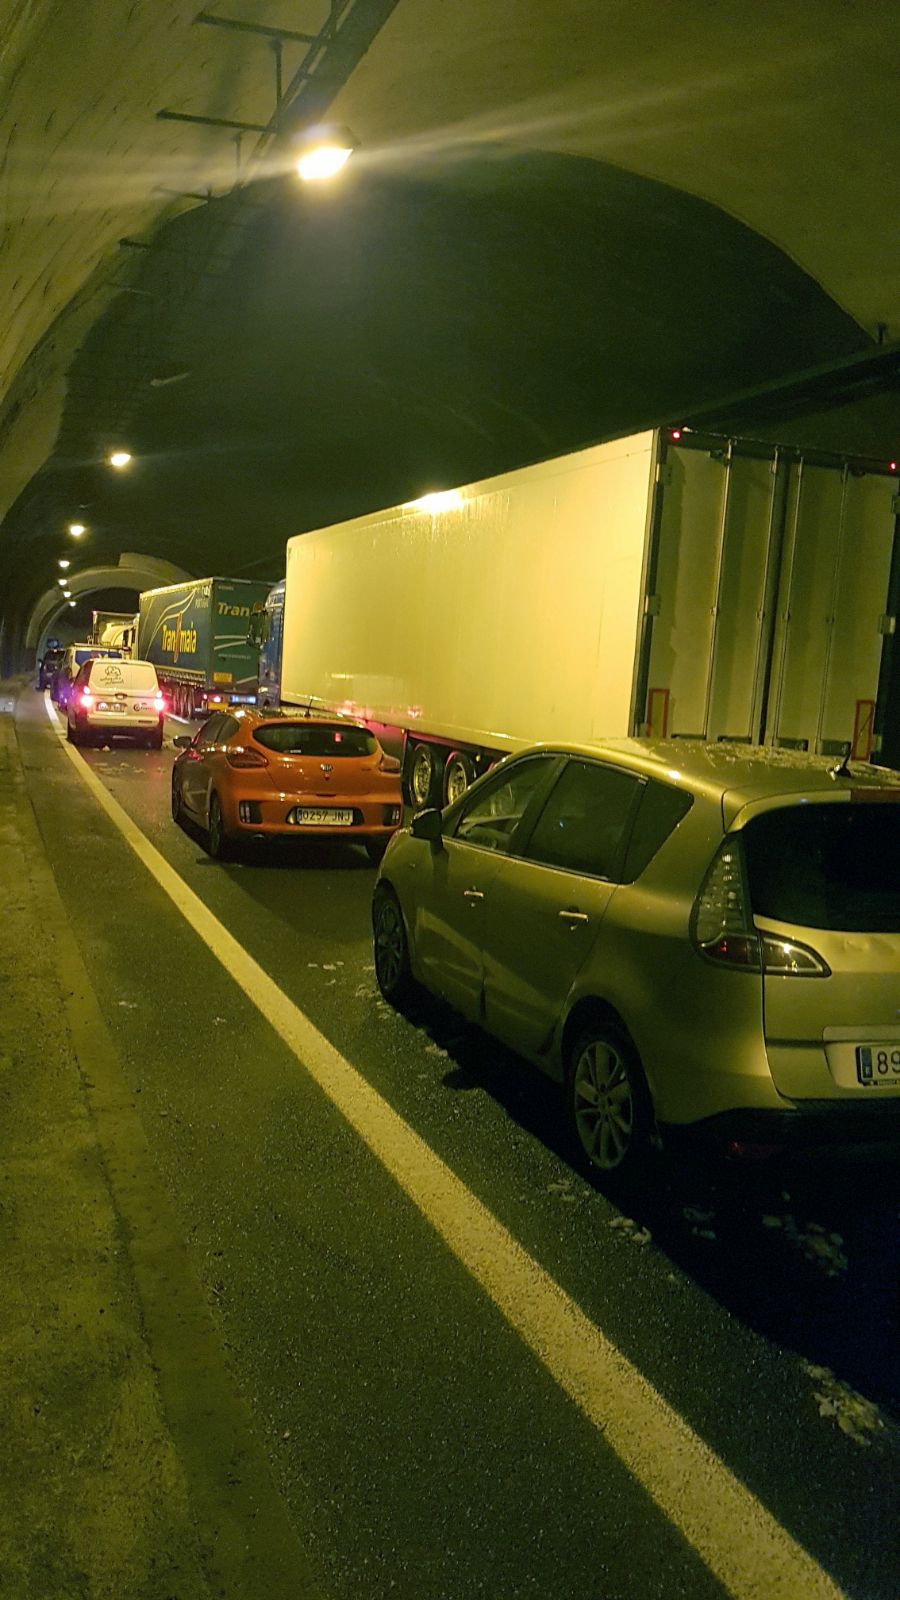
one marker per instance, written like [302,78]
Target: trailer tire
[426,770]
[458,774]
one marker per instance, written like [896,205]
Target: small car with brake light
[112,698]
[255,774]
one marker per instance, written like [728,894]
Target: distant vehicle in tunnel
[115,698]
[249,775]
[267,629]
[48,666]
[197,634]
[73,660]
[667,584]
[693,940]
[113,628]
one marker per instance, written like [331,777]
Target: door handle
[472,894]
[573,917]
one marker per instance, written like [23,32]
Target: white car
[116,697]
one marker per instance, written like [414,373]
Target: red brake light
[240,757]
[159,703]
[87,699]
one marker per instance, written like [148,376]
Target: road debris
[631,1229]
[821,1248]
[856,1416]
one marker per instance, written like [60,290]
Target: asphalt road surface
[421,1443]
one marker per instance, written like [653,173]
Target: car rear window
[315,739]
[131,677]
[827,866]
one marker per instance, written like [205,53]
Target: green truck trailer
[197,634]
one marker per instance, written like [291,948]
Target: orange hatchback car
[251,773]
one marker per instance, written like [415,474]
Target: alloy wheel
[603,1104]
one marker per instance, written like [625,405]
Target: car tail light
[239,757]
[159,703]
[722,926]
[87,699]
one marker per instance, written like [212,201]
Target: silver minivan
[690,938]
[116,697]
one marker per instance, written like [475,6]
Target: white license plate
[322,817]
[878,1065]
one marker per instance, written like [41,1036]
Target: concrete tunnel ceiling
[562,220]
[132,573]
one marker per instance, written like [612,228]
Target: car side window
[494,813]
[208,734]
[584,822]
[229,727]
[660,810]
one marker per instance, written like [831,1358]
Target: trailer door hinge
[652,605]
[895,504]
[664,473]
[887,624]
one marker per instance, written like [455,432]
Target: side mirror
[427,825]
[182,741]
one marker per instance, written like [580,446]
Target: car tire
[608,1102]
[458,774]
[393,972]
[426,770]
[177,804]
[218,842]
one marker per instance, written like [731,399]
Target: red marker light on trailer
[675,435]
[892,466]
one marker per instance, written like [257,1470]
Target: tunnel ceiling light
[67,594]
[322,152]
[119,459]
[71,602]
[76,529]
[62,582]
[62,562]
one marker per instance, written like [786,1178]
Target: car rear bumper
[815,1125]
[126,722]
[254,813]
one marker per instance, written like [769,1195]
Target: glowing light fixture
[323,152]
[62,562]
[71,602]
[76,529]
[62,582]
[67,594]
[441,500]
[119,459]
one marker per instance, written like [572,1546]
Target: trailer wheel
[426,770]
[459,773]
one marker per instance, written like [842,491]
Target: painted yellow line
[751,1555]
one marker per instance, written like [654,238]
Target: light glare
[62,562]
[119,459]
[76,529]
[440,500]
[323,162]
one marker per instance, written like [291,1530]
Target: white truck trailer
[671,583]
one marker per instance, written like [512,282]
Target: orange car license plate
[321,817]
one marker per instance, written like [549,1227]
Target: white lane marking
[741,1543]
